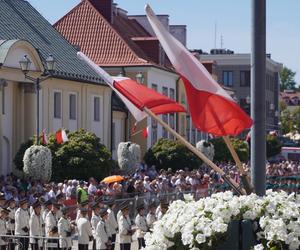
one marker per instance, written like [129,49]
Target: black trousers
[11,245]
[3,247]
[25,243]
[34,246]
[83,246]
[125,246]
[141,242]
[113,241]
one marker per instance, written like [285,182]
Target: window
[245,78]
[153,131]
[228,78]
[57,105]
[72,107]
[154,86]
[165,91]
[3,100]
[172,94]
[188,126]
[164,131]
[193,135]
[172,123]
[96,108]
[113,136]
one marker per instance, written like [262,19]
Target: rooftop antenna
[222,42]
[215,34]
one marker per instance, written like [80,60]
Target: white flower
[38,163]
[200,238]
[259,247]
[129,154]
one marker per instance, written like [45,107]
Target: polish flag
[212,108]
[44,137]
[61,136]
[145,132]
[135,95]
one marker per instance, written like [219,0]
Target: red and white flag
[145,132]
[212,109]
[44,137]
[61,136]
[135,95]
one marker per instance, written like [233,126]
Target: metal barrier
[46,240]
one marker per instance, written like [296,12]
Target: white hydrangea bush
[203,224]
[129,154]
[206,148]
[38,163]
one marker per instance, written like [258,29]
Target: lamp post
[25,64]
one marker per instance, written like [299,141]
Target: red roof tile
[105,44]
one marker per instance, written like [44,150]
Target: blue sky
[233,18]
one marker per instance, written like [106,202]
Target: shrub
[18,160]
[81,157]
[171,154]
[38,163]
[273,146]
[222,153]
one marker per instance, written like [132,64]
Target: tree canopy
[287,79]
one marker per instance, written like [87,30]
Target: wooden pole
[244,175]
[230,181]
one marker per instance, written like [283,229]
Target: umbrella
[113,178]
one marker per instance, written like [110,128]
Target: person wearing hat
[94,220]
[85,234]
[151,216]
[51,225]
[35,225]
[141,224]
[111,222]
[84,205]
[60,199]
[125,229]
[65,230]
[102,235]
[22,222]
[11,205]
[82,194]
[3,229]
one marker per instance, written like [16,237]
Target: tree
[290,120]
[273,146]
[287,79]
[222,153]
[81,157]
[166,154]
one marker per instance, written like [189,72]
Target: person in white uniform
[11,221]
[151,216]
[3,229]
[102,235]
[111,222]
[125,229]
[22,222]
[94,221]
[51,226]
[36,226]
[85,234]
[65,230]
[141,224]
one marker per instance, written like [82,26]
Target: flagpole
[227,179]
[244,175]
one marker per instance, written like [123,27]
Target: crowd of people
[102,213]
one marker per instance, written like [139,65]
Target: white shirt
[3,231]
[50,222]
[36,228]
[111,222]
[101,235]
[84,231]
[142,227]
[92,189]
[94,222]
[22,220]
[64,226]
[124,227]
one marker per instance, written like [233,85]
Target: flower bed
[203,224]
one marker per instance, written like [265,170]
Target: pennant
[44,137]
[61,136]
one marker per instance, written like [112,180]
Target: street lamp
[139,77]
[25,64]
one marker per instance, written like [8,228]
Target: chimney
[105,7]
